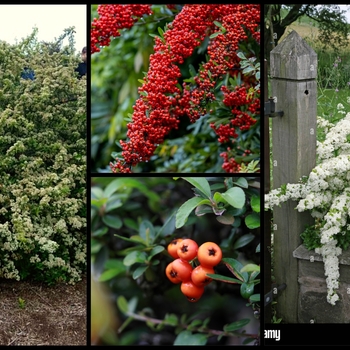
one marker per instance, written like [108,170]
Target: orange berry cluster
[180,270]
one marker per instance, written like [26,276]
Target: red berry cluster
[157,111]
[161,102]
[180,270]
[111,19]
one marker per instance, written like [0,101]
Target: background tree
[331,22]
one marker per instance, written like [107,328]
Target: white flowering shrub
[326,194]
[42,165]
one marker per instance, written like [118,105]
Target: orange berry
[199,275]
[172,247]
[209,254]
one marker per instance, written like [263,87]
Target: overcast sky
[347,14]
[18,21]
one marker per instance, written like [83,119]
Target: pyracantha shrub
[226,87]
[42,163]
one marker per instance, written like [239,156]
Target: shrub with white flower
[325,192]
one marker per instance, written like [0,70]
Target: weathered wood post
[267,214]
[293,68]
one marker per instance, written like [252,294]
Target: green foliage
[42,163]
[132,222]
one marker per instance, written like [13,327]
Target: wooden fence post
[293,68]
[267,214]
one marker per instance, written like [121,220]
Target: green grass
[328,101]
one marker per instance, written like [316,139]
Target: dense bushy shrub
[42,163]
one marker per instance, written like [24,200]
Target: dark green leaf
[250,268]
[226,219]
[222,278]
[201,183]
[171,319]
[235,267]
[157,249]
[255,203]
[122,304]
[255,298]
[241,181]
[247,289]
[109,274]
[147,231]
[100,232]
[139,271]
[235,196]
[187,338]
[252,221]
[214,35]
[186,209]
[236,325]
[134,257]
[112,221]
[136,239]
[243,241]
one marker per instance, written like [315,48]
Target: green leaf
[192,70]
[147,231]
[161,32]
[157,249]
[97,193]
[255,203]
[250,268]
[138,239]
[185,210]
[214,35]
[203,209]
[113,203]
[226,219]
[171,319]
[100,232]
[201,183]
[138,61]
[248,70]
[222,278]
[127,184]
[247,289]
[133,239]
[134,257]
[218,24]
[243,241]
[235,267]
[139,271]
[109,274]
[252,221]
[235,196]
[241,181]
[236,325]
[122,304]
[241,56]
[112,221]
[255,298]
[98,203]
[187,338]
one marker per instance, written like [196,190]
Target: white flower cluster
[326,194]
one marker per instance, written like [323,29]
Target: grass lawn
[328,100]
